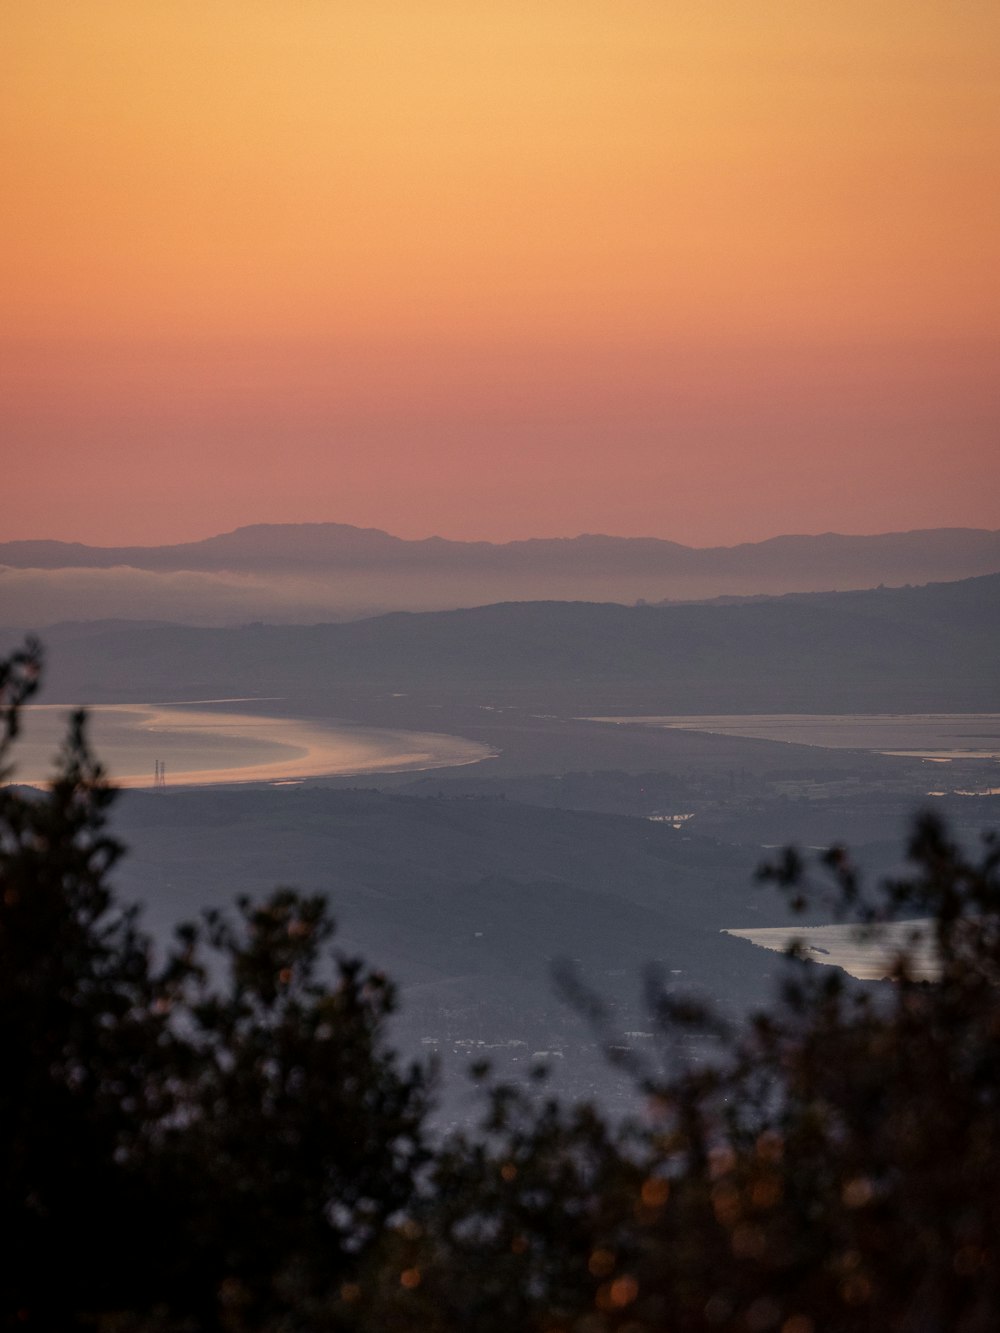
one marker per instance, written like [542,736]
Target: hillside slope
[932,648]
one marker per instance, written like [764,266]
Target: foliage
[837,1169]
[220,1141]
[214,1140]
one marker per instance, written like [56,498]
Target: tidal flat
[203,744]
[940,736]
[865,953]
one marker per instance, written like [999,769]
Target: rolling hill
[931,648]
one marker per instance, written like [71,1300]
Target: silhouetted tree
[221,1142]
[838,1168]
[210,1142]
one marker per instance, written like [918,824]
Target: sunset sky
[497,269]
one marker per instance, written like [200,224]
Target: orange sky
[702,271]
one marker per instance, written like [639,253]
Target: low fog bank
[306,573]
[41,598]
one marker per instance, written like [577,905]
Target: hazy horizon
[501,538]
[315,573]
[499,271]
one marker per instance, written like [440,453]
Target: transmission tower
[159,775]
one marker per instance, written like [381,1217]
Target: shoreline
[849,731]
[298,749]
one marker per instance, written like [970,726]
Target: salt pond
[199,745]
[940,736]
[862,955]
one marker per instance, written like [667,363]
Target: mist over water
[313,572]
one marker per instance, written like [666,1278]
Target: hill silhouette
[933,648]
[263,547]
[330,571]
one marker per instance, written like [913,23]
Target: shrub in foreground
[210,1142]
[221,1141]
[837,1168]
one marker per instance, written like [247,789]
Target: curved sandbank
[200,747]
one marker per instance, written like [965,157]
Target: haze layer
[494,270]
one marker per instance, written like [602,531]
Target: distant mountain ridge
[261,548]
[299,573]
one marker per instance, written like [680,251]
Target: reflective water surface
[919,735]
[199,745]
[863,956]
